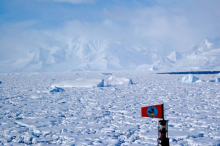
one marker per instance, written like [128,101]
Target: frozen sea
[111,115]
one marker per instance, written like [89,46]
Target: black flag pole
[163,139]
[163,111]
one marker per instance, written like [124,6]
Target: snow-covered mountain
[205,56]
[81,54]
[86,54]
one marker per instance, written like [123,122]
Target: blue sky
[54,13]
[174,25]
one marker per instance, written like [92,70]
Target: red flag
[154,111]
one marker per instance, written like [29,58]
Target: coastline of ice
[30,114]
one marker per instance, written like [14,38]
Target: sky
[175,25]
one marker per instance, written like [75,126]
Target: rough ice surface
[189,79]
[31,115]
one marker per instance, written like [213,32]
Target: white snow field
[111,115]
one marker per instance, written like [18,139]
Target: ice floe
[80,83]
[57,89]
[214,80]
[112,81]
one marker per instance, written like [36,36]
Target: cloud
[76,1]
[170,26]
[18,38]
[151,24]
[175,26]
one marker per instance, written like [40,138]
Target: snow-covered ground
[109,115]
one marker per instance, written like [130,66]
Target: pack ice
[72,114]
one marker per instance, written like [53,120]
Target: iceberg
[112,81]
[190,79]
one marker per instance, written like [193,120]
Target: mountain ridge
[81,54]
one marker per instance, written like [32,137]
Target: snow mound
[57,89]
[118,81]
[81,83]
[190,79]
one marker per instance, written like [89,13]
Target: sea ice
[30,115]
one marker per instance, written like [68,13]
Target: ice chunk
[214,80]
[57,89]
[190,79]
[81,83]
[0,82]
[118,81]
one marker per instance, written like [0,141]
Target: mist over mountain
[83,54]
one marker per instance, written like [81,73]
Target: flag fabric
[153,111]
